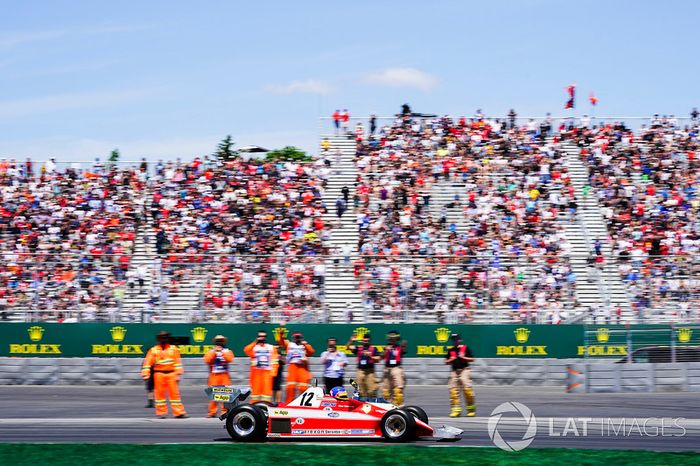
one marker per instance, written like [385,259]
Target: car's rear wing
[227,394]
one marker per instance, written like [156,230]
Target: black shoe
[182,416]
[149,404]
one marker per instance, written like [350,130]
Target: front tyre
[398,425]
[246,423]
[418,412]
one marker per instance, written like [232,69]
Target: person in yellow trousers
[165,362]
[264,364]
[367,357]
[459,356]
[218,360]
[394,380]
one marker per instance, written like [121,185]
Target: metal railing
[327,123]
[194,285]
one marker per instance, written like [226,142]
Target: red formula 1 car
[313,414]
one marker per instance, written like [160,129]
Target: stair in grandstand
[598,291]
[452,195]
[341,287]
[180,305]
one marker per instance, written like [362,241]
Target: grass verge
[312,455]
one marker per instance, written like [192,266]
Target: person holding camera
[459,356]
[264,364]
[218,360]
[334,363]
[394,380]
[298,353]
[367,357]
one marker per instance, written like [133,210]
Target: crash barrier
[423,340]
[127,371]
[605,377]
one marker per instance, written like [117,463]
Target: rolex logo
[602,335]
[35,332]
[360,332]
[442,334]
[280,331]
[118,333]
[199,334]
[521,334]
[684,335]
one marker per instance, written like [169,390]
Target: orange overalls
[166,365]
[298,375]
[264,363]
[218,362]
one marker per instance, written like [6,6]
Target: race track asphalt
[115,414]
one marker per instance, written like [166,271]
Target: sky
[166,79]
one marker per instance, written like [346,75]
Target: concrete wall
[126,371]
[599,377]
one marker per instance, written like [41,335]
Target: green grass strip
[281,454]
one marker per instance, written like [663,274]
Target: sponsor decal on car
[298,432]
[366,408]
[222,390]
[333,414]
[328,403]
[361,431]
[300,420]
[281,412]
[326,431]
[327,409]
[218,397]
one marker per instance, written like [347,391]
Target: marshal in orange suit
[298,353]
[218,360]
[264,364]
[164,360]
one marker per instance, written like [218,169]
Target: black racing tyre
[418,412]
[264,404]
[398,425]
[246,423]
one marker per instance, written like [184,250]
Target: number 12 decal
[306,398]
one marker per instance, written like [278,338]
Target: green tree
[114,156]
[288,154]
[225,151]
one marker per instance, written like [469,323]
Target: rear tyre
[418,412]
[246,423]
[398,425]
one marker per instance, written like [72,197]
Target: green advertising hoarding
[423,340]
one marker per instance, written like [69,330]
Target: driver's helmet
[339,393]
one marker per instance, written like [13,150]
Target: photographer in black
[459,356]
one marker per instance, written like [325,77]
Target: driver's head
[339,393]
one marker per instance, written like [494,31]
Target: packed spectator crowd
[647,185]
[245,240]
[510,251]
[251,232]
[66,238]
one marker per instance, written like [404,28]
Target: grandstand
[448,219]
